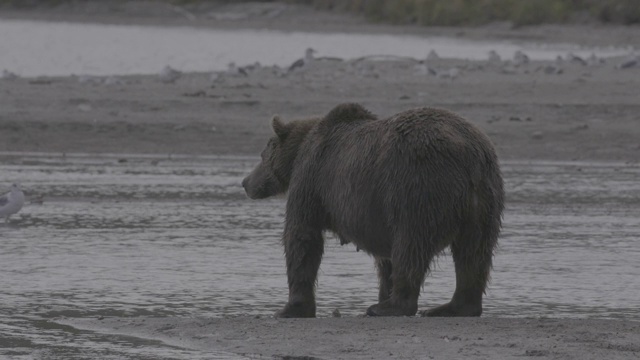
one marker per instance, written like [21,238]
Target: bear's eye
[267,150]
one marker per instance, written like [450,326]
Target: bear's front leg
[385,282]
[303,251]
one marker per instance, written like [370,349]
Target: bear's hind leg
[473,263]
[384,278]
[472,252]
[409,270]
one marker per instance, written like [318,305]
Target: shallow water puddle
[177,237]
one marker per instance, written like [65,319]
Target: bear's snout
[244,183]
[249,189]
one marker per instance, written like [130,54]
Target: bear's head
[271,177]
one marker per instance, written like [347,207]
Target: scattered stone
[452,73]
[582,127]
[537,135]
[453,338]
[253,67]
[199,93]
[552,70]
[514,118]
[40,81]
[336,313]
[365,69]
[37,200]
[277,71]
[215,78]
[114,80]
[85,107]
[508,70]
[630,63]
[122,161]
[536,353]
[404,97]
[90,79]
[422,68]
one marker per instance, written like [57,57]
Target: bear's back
[417,127]
[421,133]
[427,131]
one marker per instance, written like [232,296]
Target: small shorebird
[235,70]
[433,55]
[11,202]
[520,58]
[304,62]
[169,75]
[573,58]
[494,57]
[593,60]
[8,75]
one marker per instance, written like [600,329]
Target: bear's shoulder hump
[347,112]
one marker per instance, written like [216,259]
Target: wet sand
[536,111]
[391,338]
[584,113]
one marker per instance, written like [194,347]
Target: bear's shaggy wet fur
[402,189]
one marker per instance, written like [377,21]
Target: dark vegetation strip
[448,12]
[478,12]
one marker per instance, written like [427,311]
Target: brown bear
[402,189]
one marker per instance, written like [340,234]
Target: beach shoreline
[539,110]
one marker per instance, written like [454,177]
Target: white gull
[11,202]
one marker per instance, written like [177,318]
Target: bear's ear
[280,128]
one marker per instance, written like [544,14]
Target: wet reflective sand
[139,236]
